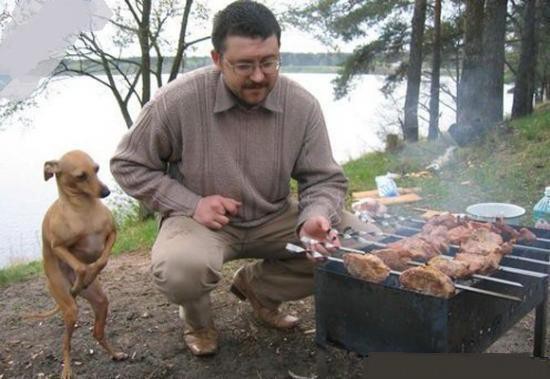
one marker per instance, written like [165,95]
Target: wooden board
[407,198]
[408,195]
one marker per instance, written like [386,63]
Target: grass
[509,165]
[133,235]
[20,272]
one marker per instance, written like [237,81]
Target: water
[80,114]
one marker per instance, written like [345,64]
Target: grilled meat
[366,267]
[481,241]
[510,234]
[418,247]
[445,219]
[428,280]
[396,259]
[453,268]
[480,264]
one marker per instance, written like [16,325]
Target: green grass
[508,165]
[20,272]
[132,235]
[135,235]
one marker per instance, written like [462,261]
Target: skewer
[420,221]
[513,257]
[297,249]
[500,267]
[524,247]
[307,240]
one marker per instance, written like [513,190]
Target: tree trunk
[470,87]
[433,130]
[493,57]
[410,127]
[178,58]
[525,79]
[145,46]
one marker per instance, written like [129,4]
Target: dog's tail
[43,315]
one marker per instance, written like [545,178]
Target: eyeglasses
[268,67]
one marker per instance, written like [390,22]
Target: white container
[490,211]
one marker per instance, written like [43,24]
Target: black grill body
[365,317]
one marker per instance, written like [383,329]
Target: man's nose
[257,75]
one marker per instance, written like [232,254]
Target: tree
[471,82]
[410,128]
[525,79]
[494,34]
[433,129]
[143,21]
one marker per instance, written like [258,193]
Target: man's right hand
[212,211]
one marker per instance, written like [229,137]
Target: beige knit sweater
[194,139]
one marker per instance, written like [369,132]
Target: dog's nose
[105,192]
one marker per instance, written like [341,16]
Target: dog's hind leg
[100,304]
[60,288]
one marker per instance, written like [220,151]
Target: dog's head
[76,174]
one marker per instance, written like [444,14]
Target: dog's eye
[82,177]
[96,169]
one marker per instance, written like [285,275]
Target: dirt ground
[144,325]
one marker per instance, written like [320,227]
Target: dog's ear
[50,168]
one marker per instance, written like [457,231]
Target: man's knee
[183,276]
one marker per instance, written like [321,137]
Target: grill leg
[541,314]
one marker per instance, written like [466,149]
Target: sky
[34,39]
[292,40]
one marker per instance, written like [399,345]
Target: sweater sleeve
[321,182]
[140,162]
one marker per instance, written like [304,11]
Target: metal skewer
[307,240]
[500,267]
[513,257]
[419,221]
[297,249]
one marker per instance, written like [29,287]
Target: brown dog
[78,233]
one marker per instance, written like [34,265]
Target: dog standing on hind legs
[78,233]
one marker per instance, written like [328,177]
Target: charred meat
[366,267]
[428,280]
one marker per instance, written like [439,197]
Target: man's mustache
[255,85]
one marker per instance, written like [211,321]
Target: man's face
[249,66]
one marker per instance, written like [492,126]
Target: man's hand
[319,229]
[212,211]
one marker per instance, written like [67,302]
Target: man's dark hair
[244,18]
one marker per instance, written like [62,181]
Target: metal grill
[367,317]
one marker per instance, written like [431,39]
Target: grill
[366,317]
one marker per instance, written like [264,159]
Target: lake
[78,113]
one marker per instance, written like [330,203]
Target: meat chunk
[480,264]
[395,259]
[428,280]
[482,242]
[366,267]
[418,248]
[445,219]
[453,268]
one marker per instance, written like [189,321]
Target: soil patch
[146,326]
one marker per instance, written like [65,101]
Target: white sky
[292,40]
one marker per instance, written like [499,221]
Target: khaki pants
[187,260]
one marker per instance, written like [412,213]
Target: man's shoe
[201,341]
[272,317]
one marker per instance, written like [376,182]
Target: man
[214,152]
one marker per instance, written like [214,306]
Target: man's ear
[50,168]
[216,58]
